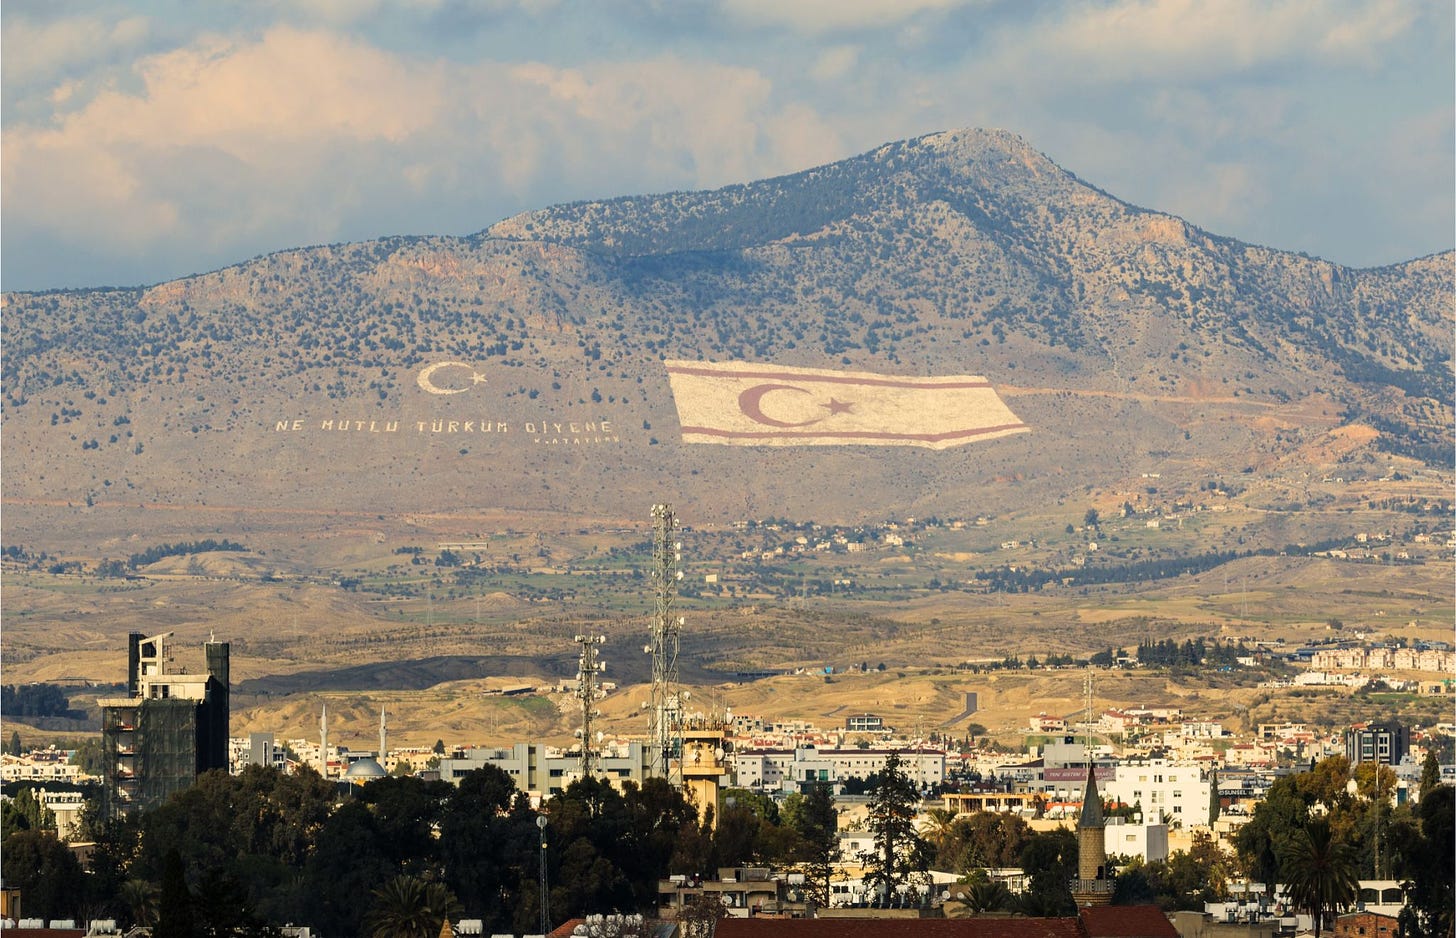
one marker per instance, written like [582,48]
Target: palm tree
[409,907]
[1319,871]
[989,896]
[140,899]
[937,827]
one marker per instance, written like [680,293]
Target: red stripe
[849,435]
[928,384]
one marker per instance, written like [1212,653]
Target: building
[1385,743]
[256,749]
[171,727]
[864,723]
[791,769]
[703,747]
[1367,925]
[546,770]
[745,891]
[1148,842]
[1177,793]
[66,808]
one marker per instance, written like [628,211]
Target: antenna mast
[1087,716]
[588,667]
[664,709]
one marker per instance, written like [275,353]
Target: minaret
[1093,885]
[324,743]
[383,736]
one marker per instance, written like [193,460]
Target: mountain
[1130,342]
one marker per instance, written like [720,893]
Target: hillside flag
[747,404]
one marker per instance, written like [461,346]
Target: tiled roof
[900,928]
[1127,921]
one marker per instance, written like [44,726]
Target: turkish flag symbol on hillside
[746,404]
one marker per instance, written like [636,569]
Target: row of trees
[1320,832]
[241,854]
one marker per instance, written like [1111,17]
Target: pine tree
[817,823]
[899,852]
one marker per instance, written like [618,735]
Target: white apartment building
[1178,793]
[39,766]
[1148,840]
[787,769]
[547,770]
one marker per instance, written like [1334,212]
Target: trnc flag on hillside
[746,404]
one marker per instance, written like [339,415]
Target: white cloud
[302,136]
[1163,40]
[814,17]
[835,62]
[43,51]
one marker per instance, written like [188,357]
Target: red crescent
[750,402]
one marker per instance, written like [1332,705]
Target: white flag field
[747,404]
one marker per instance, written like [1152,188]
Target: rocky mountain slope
[523,368]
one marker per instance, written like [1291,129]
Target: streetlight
[545,894]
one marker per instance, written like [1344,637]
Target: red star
[838,407]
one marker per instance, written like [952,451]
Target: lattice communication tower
[665,711]
[588,667]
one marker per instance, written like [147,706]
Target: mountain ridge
[965,252]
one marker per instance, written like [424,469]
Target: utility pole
[545,893]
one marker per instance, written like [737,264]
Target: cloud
[39,51]
[1175,40]
[57,64]
[814,17]
[835,62]
[228,148]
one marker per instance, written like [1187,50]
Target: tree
[25,813]
[939,828]
[46,872]
[349,862]
[490,849]
[817,823]
[988,895]
[1430,772]
[1275,820]
[1050,861]
[140,900]
[1320,872]
[593,847]
[1193,877]
[701,914]
[1091,519]
[174,903]
[984,840]
[1432,890]
[899,852]
[15,748]
[410,907]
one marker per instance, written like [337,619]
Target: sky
[146,140]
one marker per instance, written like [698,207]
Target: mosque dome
[364,770]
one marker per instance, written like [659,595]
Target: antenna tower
[664,709]
[588,667]
[1087,716]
